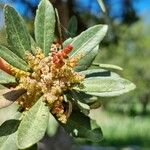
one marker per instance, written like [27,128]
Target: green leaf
[105,86]
[6,78]
[45,25]
[9,96]
[17,34]
[87,59]
[12,58]
[67,42]
[80,126]
[102,5]
[8,134]
[96,73]
[108,66]
[72,26]
[33,45]
[87,40]
[85,109]
[84,98]
[52,126]
[33,125]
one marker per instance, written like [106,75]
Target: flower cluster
[49,76]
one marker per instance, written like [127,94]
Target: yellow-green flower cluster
[49,77]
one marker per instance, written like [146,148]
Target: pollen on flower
[49,77]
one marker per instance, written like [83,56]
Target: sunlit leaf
[33,125]
[108,66]
[17,34]
[6,78]
[87,59]
[12,58]
[105,86]
[45,25]
[87,40]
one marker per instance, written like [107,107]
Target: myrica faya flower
[50,76]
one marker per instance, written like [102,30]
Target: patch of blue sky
[141,6]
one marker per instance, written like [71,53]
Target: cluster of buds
[50,77]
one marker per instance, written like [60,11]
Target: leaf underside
[106,86]
[33,125]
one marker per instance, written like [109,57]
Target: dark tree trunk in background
[129,13]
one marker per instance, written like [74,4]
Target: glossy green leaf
[12,58]
[9,96]
[72,26]
[45,25]
[80,126]
[6,78]
[87,59]
[17,34]
[87,40]
[8,135]
[33,125]
[105,86]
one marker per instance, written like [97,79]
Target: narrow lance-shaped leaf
[45,25]
[12,58]
[33,125]
[6,78]
[79,126]
[87,59]
[17,34]
[108,66]
[88,40]
[96,73]
[105,86]
[102,5]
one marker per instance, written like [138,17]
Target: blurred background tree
[125,120]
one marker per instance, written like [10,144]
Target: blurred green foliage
[132,53]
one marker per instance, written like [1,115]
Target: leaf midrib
[17,34]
